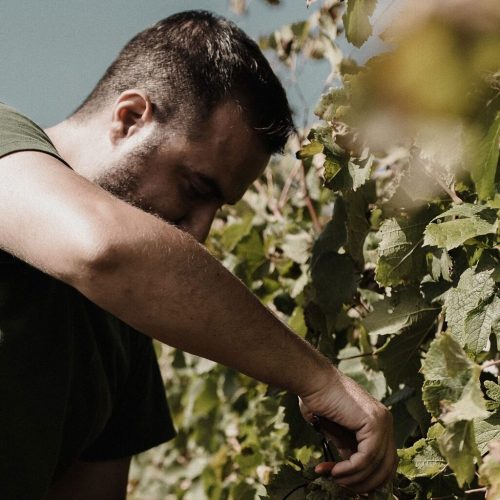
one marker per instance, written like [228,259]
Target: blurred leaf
[329,104]
[235,232]
[309,150]
[297,247]
[489,472]
[356,20]
[485,160]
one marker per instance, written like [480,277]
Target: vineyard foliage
[375,237]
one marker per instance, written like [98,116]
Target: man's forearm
[163,283]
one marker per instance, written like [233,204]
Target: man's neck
[81,145]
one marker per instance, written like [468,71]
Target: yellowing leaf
[356,20]
[458,446]
[423,459]
[489,472]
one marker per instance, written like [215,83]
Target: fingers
[364,471]
[324,468]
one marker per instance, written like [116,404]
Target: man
[182,122]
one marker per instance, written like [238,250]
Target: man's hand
[369,453]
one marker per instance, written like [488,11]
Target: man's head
[191,94]
[189,63]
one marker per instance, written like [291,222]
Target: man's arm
[162,282]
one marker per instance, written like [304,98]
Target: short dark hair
[192,61]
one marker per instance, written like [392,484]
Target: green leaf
[458,446]
[472,289]
[207,399]
[404,424]
[360,171]
[309,150]
[423,459]
[334,280]
[447,370]
[235,232]
[471,404]
[297,322]
[474,221]
[492,390]
[356,21]
[334,235]
[358,224]
[487,430]
[404,310]
[400,360]
[483,166]
[479,323]
[284,482]
[401,257]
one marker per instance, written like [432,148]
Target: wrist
[319,380]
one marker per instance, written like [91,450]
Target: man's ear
[132,111]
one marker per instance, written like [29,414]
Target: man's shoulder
[20,133]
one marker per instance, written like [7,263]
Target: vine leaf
[284,482]
[400,360]
[458,446]
[423,459]
[493,392]
[334,280]
[474,220]
[234,233]
[471,404]
[401,257]
[489,472]
[479,323]
[472,289]
[356,21]
[404,310]
[486,431]
[484,164]
[447,370]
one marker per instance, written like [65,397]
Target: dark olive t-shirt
[75,382]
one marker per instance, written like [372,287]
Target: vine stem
[294,490]
[489,363]
[309,203]
[467,492]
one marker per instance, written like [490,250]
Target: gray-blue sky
[52,52]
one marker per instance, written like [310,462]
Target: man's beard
[123,181]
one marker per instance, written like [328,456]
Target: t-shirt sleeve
[19,133]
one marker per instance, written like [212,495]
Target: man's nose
[199,220]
